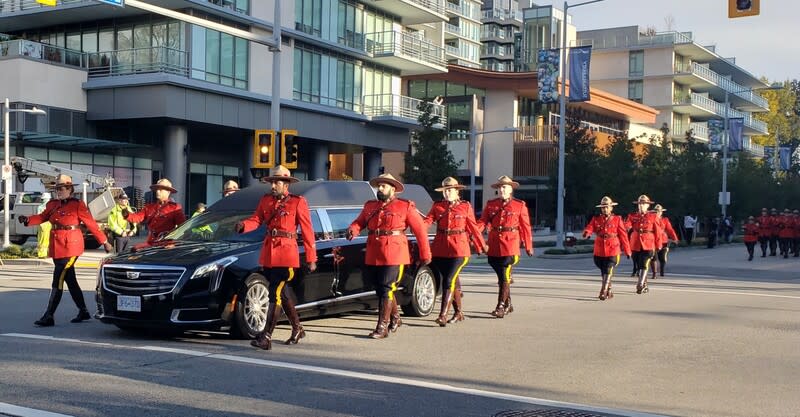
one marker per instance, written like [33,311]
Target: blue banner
[547,74]
[735,134]
[785,158]
[579,59]
[715,134]
[769,153]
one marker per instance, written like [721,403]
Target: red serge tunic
[387,243]
[751,232]
[159,218]
[764,226]
[282,216]
[611,235]
[667,232]
[786,227]
[455,229]
[646,234]
[509,225]
[66,237]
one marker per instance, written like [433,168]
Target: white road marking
[572,271]
[17,411]
[351,374]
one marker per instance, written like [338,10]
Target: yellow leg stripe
[508,268]
[279,291]
[394,284]
[64,272]
[647,263]
[458,271]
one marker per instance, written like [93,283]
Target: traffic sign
[6,172]
[120,3]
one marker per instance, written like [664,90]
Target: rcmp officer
[645,239]
[774,224]
[65,213]
[121,229]
[455,229]
[764,222]
[751,235]
[785,227]
[796,238]
[160,216]
[667,235]
[229,188]
[386,220]
[509,226]
[612,236]
[281,213]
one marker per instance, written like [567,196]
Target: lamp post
[7,163]
[723,200]
[561,126]
[473,135]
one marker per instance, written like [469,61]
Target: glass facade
[351,23]
[240,6]
[636,63]
[219,58]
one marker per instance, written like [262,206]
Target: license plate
[129,303]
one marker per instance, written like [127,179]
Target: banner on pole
[547,74]
[579,59]
[785,156]
[715,131]
[769,154]
[735,139]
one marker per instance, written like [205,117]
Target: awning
[75,142]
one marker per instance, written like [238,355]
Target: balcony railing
[452,50]
[701,71]
[395,105]
[718,109]
[436,6]
[501,14]
[42,52]
[404,44]
[616,40]
[138,61]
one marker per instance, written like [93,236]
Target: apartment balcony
[499,36]
[413,12]
[158,59]
[502,17]
[700,132]
[399,111]
[452,52]
[410,54]
[701,107]
[497,53]
[701,78]
[458,9]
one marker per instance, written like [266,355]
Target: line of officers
[774,231]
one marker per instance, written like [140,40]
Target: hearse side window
[341,219]
[319,233]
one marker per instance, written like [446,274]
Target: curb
[47,262]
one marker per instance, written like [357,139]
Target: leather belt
[608,235]
[450,232]
[506,229]
[68,227]
[644,231]
[282,233]
[381,232]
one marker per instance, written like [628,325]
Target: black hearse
[205,276]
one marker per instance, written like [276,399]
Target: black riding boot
[52,304]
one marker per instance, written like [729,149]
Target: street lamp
[562,128]
[7,165]
[473,134]
[723,198]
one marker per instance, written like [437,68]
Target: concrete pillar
[176,139]
[317,161]
[372,163]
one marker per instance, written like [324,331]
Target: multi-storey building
[462,33]
[141,96]
[542,27]
[501,34]
[688,83]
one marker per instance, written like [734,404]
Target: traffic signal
[264,149]
[289,148]
[742,8]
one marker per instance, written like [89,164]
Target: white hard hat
[46,196]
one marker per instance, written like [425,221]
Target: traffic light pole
[275,106]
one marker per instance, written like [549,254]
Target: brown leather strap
[449,232]
[282,233]
[381,232]
[506,229]
[67,227]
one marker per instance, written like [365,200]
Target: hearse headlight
[213,271]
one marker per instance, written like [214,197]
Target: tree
[429,161]
[580,163]
[617,171]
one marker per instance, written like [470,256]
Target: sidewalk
[90,259]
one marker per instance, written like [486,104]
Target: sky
[767,45]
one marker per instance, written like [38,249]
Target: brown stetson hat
[643,199]
[505,180]
[63,180]
[230,185]
[163,184]
[450,182]
[606,202]
[280,173]
[658,207]
[387,179]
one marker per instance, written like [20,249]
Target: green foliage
[581,161]
[430,161]
[18,252]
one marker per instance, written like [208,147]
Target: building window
[308,16]
[219,58]
[636,64]
[635,90]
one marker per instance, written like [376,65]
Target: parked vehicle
[205,276]
[20,204]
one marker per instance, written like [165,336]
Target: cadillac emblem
[132,275]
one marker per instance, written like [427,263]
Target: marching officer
[667,235]
[386,220]
[509,226]
[774,224]
[645,239]
[455,229]
[764,222]
[160,216]
[785,232]
[611,237]
[121,229]
[281,212]
[796,238]
[65,214]
[751,236]
[229,188]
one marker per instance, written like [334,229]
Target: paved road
[717,337]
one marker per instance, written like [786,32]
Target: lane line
[357,375]
[17,411]
[576,271]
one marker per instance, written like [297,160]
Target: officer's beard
[382,197]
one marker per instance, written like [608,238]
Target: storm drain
[549,412]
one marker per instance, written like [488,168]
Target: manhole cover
[547,412]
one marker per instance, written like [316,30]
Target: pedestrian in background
[713,229]
[43,234]
[751,231]
[229,188]
[66,214]
[121,229]
[689,223]
[199,209]
[612,236]
[727,228]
